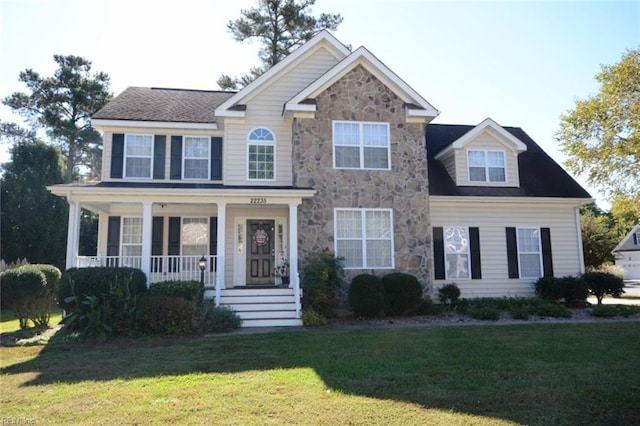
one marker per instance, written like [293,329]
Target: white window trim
[363,239]
[263,143]
[520,252]
[486,166]
[122,243]
[184,157]
[361,145]
[444,238]
[126,157]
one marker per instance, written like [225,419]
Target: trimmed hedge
[402,294]
[19,284]
[82,282]
[162,314]
[216,319]
[188,290]
[602,283]
[571,289]
[366,296]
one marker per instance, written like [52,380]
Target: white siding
[486,141]
[264,109]
[492,219]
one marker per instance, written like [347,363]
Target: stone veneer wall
[360,96]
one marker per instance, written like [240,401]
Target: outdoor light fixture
[202,264]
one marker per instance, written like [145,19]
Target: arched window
[261,154]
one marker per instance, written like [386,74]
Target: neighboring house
[627,254]
[325,150]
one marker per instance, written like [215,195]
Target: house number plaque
[258,200]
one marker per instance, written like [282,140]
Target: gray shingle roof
[170,105]
[540,175]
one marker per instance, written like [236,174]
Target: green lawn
[9,322]
[517,374]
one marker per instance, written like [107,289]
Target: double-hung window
[486,166]
[529,252]
[138,156]
[261,153]
[456,252]
[196,157]
[361,145]
[364,237]
[194,240]
[131,241]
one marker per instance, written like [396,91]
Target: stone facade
[360,96]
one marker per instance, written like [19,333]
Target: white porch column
[293,256]
[73,234]
[220,249]
[147,226]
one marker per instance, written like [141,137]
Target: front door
[260,255]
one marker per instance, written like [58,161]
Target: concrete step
[248,307]
[273,322]
[267,315]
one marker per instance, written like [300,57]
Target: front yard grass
[508,374]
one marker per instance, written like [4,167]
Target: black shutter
[174,242]
[113,239]
[216,158]
[213,240]
[474,245]
[635,238]
[117,155]
[159,143]
[547,260]
[176,157]
[438,253]
[512,253]
[156,242]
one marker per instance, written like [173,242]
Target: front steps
[262,307]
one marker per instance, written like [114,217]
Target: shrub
[550,309]
[485,313]
[27,292]
[323,276]
[605,311]
[217,319]
[574,289]
[402,294]
[548,288]
[162,314]
[449,294]
[603,283]
[366,296]
[311,318]
[51,273]
[80,282]
[427,307]
[17,284]
[188,290]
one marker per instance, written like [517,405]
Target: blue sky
[520,63]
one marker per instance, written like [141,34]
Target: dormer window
[486,166]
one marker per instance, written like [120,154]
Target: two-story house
[325,150]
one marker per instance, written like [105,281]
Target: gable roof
[540,175]
[323,39]
[416,105]
[494,129]
[162,105]
[621,245]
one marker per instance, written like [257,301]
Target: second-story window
[361,145]
[261,155]
[486,166]
[138,155]
[196,157]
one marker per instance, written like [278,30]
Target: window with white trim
[361,145]
[261,154]
[131,241]
[486,166]
[364,237]
[138,156]
[195,236]
[529,253]
[196,157]
[456,252]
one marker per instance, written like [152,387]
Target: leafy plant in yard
[167,315]
[323,275]
[449,294]
[427,307]
[311,318]
[29,291]
[607,311]
[603,283]
[402,294]
[189,290]
[218,318]
[366,296]
[574,289]
[548,288]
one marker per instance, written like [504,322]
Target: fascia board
[626,238]
[576,202]
[101,124]
[489,124]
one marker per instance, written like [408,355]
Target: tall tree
[598,238]
[62,105]
[601,135]
[33,222]
[280,26]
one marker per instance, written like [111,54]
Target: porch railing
[163,268]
